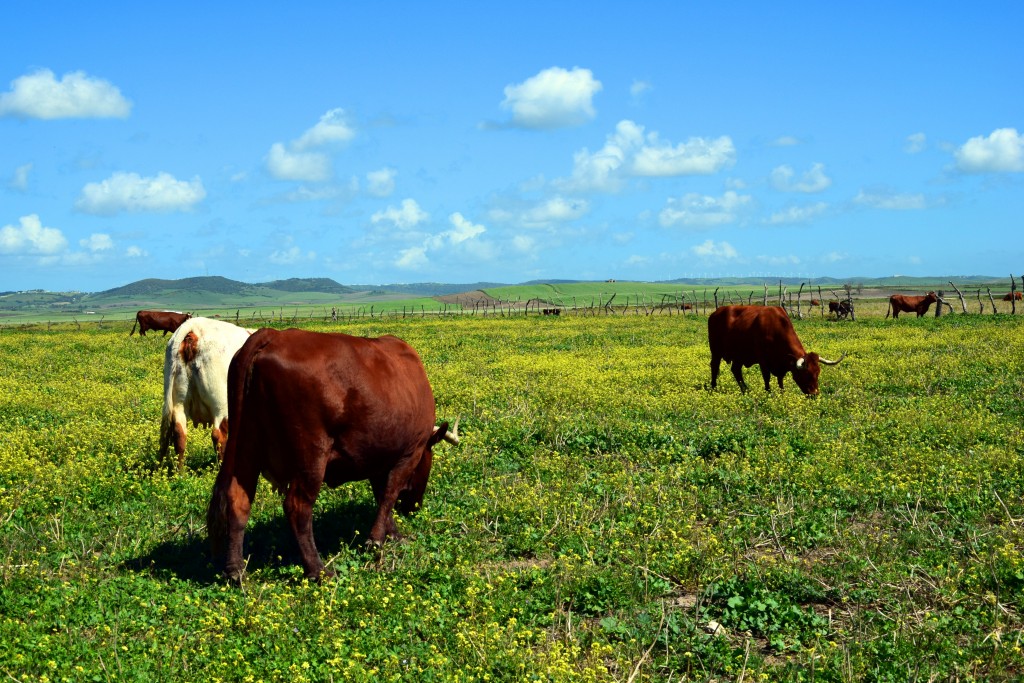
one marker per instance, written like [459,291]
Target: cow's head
[930,297]
[806,370]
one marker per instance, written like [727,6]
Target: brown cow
[310,408]
[840,308]
[168,321]
[815,302]
[898,303]
[1010,296]
[762,335]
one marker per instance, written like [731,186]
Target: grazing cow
[841,309]
[310,408]
[898,303]
[1013,296]
[168,321]
[552,311]
[196,382]
[815,302]
[762,335]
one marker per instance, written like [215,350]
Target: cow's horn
[825,361]
[452,435]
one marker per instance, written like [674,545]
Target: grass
[604,515]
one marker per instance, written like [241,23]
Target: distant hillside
[152,286]
[222,285]
[428,288]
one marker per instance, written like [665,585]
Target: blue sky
[388,142]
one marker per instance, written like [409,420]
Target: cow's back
[747,333]
[327,396]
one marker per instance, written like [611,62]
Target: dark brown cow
[168,321]
[840,308]
[308,409]
[1010,296]
[898,303]
[762,335]
[815,302]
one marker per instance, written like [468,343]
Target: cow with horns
[762,335]
[840,309]
[899,303]
[308,409]
[168,321]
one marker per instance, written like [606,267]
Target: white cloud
[332,128]
[97,241]
[702,211]
[639,88]
[834,257]
[1002,151]
[291,255]
[555,210]
[288,165]
[554,98]
[463,229]
[40,95]
[135,252]
[131,192]
[915,143]
[786,141]
[19,181]
[797,214]
[406,216]
[524,243]
[893,201]
[412,258]
[381,183]
[813,180]
[709,250]
[789,260]
[630,152]
[696,156]
[31,237]
[304,158]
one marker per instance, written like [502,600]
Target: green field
[606,518]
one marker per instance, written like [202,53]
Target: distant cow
[841,309]
[551,311]
[1011,296]
[761,335]
[168,321]
[308,409]
[196,382]
[815,302]
[898,303]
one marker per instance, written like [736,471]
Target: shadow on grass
[268,544]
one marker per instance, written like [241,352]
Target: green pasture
[606,517]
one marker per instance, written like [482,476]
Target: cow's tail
[239,378]
[133,326]
[166,418]
[888,310]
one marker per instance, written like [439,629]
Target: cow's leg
[173,430]
[716,362]
[412,497]
[386,489]
[767,377]
[219,434]
[737,372]
[226,519]
[298,508]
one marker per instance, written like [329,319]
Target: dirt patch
[467,299]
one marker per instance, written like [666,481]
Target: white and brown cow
[196,382]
